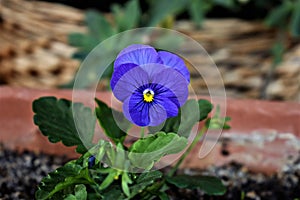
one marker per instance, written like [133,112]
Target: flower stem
[193,144]
[142,132]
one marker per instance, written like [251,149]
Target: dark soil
[20,174]
[242,184]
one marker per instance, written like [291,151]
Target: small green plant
[197,10]
[100,29]
[285,17]
[280,14]
[153,87]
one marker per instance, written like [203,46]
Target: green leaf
[80,192]
[49,183]
[132,14]
[143,181]
[163,196]
[79,55]
[188,117]
[109,178]
[106,117]
[125,181]
[279,16]
[205,108]
[70,197]
[85,42]
[55,119]
[196,11]
[217,121]
[98,26]
[117,157]
[208,184]
[128,17]
[146,151]
[113,192]
[81,178]
[147,177]
[167,41]
[190,113]
[295,21]
[163,9]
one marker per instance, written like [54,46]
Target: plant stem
[195,141]
[142,132]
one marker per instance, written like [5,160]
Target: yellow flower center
[148,95]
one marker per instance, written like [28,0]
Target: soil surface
[20,174]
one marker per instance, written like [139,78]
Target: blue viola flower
[152,85]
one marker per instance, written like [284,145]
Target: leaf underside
[146,151]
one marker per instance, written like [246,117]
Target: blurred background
[255,44]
